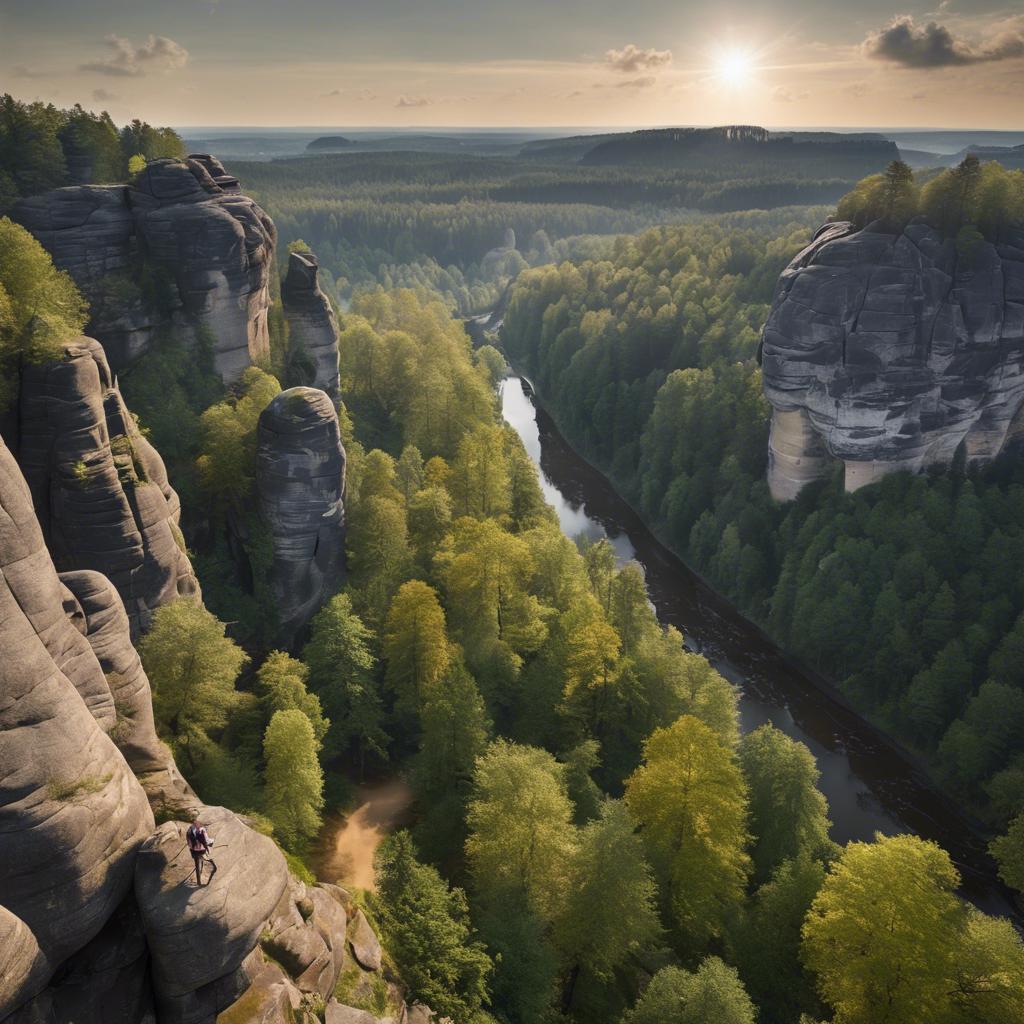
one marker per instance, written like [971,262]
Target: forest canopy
[44,147]
[983,197]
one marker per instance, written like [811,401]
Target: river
[870,784]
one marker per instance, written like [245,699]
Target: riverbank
[872,784]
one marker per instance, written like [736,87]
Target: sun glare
[734,67]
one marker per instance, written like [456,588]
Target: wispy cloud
[909,45]
[644,82]
[351,94]
[631,59]
[413,101]
[783,94]
[126,60]
[102,96]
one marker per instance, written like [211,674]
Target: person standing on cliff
[199,845]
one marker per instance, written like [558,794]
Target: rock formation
[181,249]
[888,351]
[98,918]
[300,480]
[312,324]
[72,814]
[99,488]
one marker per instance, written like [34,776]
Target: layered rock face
[300,480]
[311,321]
[99,918]
[72,814]
[888,350]
[180,249]
[99,488]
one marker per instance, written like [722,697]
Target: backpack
[194,838]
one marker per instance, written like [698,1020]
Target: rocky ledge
[300,480]
[888,350]
[181,248]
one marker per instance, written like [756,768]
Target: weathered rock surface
[180,249]
[218,246]
[108,633]
[300,480]
[311,321]
[71,813]
[197,936]
[23,965]
[339,1013]
[106,980]
[889,350]
[365,944]
[99,488]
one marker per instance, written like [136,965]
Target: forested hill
[907,593]
[806,154]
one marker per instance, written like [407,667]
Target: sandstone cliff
[99,488]
[300,481]
[99,920]
[180,249]
[888,350]
[72,814]
[312,324]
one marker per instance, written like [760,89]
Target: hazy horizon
[395,63]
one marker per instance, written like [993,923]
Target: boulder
[299,947]
[339,1013]
[890,350]
[364,942]
[270,999]
[72,814]
[300,481]
[312,325]
[100,489]
[200,938]
[331,921]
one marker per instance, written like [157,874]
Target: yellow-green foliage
[971,195]
[40,307]
[228,437]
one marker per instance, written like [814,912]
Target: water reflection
[870,785]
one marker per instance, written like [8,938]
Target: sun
[734,67]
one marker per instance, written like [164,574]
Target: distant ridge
[328,143]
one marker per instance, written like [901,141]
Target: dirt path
[348,845]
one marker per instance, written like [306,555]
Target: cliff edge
[889,350]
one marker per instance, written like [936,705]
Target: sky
[537,63]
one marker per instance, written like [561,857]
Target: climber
[199,844]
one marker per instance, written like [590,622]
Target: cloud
[910,45]
[102,96]
[352,94]
[20,71]
[157,53]
[781,94]
[631,59]
[413,101]
[644,82]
